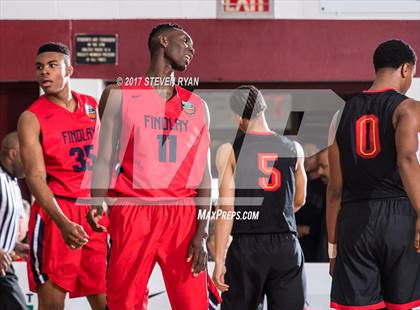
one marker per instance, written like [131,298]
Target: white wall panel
[146,9]
[84,9]
[27,9]
[414,91]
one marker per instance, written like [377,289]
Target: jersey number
[367,136]
[167,142]
[272,182]
[82,156]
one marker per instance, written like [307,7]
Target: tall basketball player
[56,135]
[162,139]
[373,200]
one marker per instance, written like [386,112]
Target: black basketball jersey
[264,182]
[366,140]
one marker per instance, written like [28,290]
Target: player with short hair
[373,197]
[56,135]
[260,171]
[156,134]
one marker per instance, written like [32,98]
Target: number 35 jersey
[366,140]
[66,140]
[163,145]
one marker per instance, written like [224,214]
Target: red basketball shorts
[142,236]
[80,272]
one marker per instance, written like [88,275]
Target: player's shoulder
[28,119]
[224,149]
[408,106]
[110,89]
[289,143]
[85,98]
[38,105]
[299,149]
[186,95]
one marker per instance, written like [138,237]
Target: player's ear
[12,152]
[69,71]
[405,70]
[163,40]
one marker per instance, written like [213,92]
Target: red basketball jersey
[163,145]
[67,143]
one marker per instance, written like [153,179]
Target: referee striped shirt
[11,207]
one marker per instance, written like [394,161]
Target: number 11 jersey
[67,143]
[163,145]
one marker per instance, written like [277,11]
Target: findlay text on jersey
[78,135]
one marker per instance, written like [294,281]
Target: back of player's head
[56,47]
[8,142]
[247,102]
[153,42]
[393,54]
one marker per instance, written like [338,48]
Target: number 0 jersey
[66,140]
[366,140]
[264,182]
[163,145]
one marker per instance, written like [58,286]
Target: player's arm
[5,262]
[225,163]
[36,177]
[110,116]
[197,252]
[300,179]
[406,120]
[334,193]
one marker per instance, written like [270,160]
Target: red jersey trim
[257,132]
[378,91]
[403,306]
[379,305]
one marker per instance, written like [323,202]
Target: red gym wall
[269,53]
[227,50]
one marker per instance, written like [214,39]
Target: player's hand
[417,236]
[332,264]
[219,277]
[22,250]
[94,216]
[197,254]
[5,261]
[74,235]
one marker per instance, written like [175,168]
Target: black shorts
[377,265]
[258,265]
[11,296]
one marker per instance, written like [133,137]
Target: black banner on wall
[96,49]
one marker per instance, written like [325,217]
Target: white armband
[332,250]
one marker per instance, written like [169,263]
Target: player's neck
[63,98]
[259,125]
[162,71]
[383,82]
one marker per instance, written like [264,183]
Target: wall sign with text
[96,49]
[245,9]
